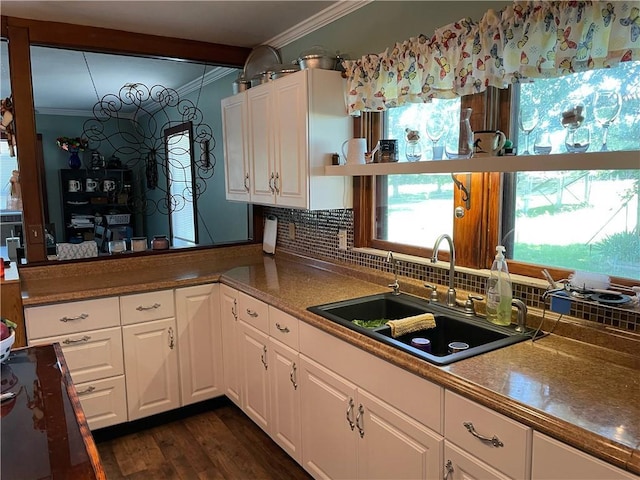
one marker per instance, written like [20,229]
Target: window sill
[626,160]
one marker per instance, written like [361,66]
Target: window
[181,186]
[564,221]
[415,209]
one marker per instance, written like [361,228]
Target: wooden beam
[95,39]
[25,123]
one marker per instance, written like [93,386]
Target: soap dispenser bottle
[499,293]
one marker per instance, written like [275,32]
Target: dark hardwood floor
[212,440]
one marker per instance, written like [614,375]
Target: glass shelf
[627,160]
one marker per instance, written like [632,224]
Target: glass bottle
[461,145]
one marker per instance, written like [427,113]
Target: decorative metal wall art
[132,124]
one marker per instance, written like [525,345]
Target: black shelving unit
[83,208]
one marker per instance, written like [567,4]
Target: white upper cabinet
[290,129]
[236,172]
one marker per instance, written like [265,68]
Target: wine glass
[436,126]
[606,108]
[528,117]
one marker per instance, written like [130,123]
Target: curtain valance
[526,40]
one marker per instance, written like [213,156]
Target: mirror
[66,86]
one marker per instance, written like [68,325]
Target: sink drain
[455,347]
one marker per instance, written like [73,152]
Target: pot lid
[259,60]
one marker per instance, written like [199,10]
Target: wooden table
[44,430]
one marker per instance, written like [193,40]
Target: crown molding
[320,19]
[211,76]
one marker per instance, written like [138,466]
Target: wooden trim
[26,139]
[81,37]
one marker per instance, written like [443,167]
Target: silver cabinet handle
[293,375]
[360,420]
[171,339]
[251,313]
[495,441]
[82,316]
[275,183]
[84,338]
[448,470]
[263,357]
[142,308]
[246,182]
[284,329]
[350,414]
[89,389]
[234,309]
[271,182]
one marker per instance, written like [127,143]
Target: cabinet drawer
[71,317]
[254,312]
[512,458]
[144,307]
[283,327]
[91,355]
[104,402]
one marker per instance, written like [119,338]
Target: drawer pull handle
[282,329]
[293,375]
[448,470]
[142,308]
[84,338]
[350,414]
[263,357]
[171,340]
[87,390]
[495,441]
[251,313]
[360,420]
[82,316]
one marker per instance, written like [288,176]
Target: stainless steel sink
[479,335]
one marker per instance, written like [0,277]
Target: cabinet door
[460,465]
[199,342]
[410,449]
[236,158]
[230,355]
[104,402]
[151,365]
[553,459]
[328,415]
[260,142]
[285,398]
[290,112]
[254,374]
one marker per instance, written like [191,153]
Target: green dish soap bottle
[499,293]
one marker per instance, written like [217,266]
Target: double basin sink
[456,335]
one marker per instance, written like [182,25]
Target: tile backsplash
[315,234]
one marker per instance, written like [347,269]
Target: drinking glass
[577,140]
[542,144]
[528,117]
[413,151]
[606,108]
[436,127]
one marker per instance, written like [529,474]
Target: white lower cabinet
[91,339]
[230,335]
[349,433]
[150,353]
[285,397]
[489,445]
[553,459]
[199,342]
[254,365]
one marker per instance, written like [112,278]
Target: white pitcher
[356,148]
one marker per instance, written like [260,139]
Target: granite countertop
[578,392]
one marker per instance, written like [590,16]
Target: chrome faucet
[395,285]
[451,293]
[522,314]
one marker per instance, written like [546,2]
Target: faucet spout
[522,314]
[451,293]
[395,285]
